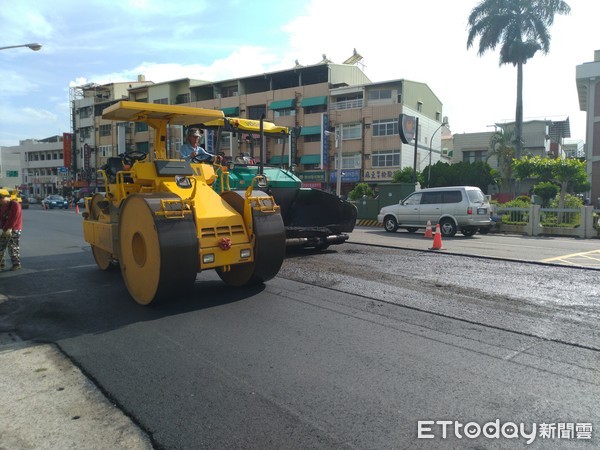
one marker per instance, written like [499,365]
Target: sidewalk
[47,403]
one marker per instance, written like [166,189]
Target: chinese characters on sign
[312,176]
[429,429]
[371,175]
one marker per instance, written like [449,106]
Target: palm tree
[520,27]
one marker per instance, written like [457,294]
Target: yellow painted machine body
[162,222]
[214,218]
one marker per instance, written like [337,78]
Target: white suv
[463,208]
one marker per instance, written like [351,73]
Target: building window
[351,131]
[350,161]
[140,127]
[474,156]
[254,112]
[386,158]
[105,130]
[312,138]
[385,127]
[85,112]
[315,109]
[420,106]
[182,98]
[379,94]
[162,101]
[142,147]
[85,132]
[229,91]
[354,101]
[284,112]
[105,150]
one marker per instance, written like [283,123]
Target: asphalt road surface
[348,348]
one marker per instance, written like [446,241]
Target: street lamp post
[35,46]
[338,145]
[444,123]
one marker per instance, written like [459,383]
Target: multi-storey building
[334,109]
[10,168]
[588,89]
[541,137]
[95,139]
[42,166]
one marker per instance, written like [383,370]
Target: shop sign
[379,175]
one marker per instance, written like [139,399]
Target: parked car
[55,201]
[455,208]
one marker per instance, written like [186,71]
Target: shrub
[571,201]
[519,202]
[360,190]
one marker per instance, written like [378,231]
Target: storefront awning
[277,159]
[310,159]
[283,104]
[307,131]
[314,101]
[233,111]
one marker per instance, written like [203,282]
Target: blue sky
[425,40]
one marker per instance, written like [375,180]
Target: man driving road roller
[191,149]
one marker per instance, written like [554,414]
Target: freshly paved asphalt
[48,403]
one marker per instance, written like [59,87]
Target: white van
[463,208]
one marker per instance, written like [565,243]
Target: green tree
[463,173]
[404,176]
[566,173]
[502,145]
[360,190]
[546,190]
[520,28]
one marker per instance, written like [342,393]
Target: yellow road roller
[161,221]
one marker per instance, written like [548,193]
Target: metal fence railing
[581,222]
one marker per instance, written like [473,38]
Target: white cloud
[424,41]
[15,84]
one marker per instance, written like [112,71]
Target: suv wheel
[468,231]
[447,227]
[390,224]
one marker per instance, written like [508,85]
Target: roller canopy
[173,114]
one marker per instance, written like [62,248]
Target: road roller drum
[161,221]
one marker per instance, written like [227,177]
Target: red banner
[67,149]
[312,184]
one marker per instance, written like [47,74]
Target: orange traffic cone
[437,239]
[428,233]
[76,209]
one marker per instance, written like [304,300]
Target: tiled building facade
[325,97]
[588,89]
